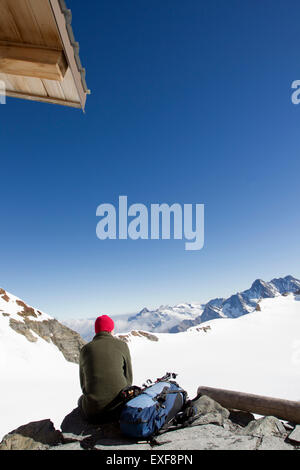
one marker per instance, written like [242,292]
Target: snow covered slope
[244,302]
[256,353]
[35,375]
[14,308]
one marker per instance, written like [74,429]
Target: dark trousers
[111,414]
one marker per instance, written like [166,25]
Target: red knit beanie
[104,323]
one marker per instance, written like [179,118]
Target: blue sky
[191,103]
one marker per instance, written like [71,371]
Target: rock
[76,429]
[147,335]
[127,337]
[69,437]
[267,426]
[67,341]
[79,435]
[211,431]
[70,446]
[295,435]
[273,443]
[75,425]
[22,329]
[210,418]
[121,444]
[288,426]
[206,437]
[242,418]
[38,435]
[27,311]
[19,442]
[209,411]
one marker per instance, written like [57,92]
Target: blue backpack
[153,409]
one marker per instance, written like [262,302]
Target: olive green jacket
[105,369]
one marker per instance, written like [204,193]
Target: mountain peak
[290,278]
[144,310]
[258,283]
[286,284]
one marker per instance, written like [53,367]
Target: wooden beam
[43,99]
[35,62]
[266,406]
[68,49]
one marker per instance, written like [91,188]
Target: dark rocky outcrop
[39,435]
[215,429]
[266,426]
[23,329]
[294,436]
[68,341]
[145,334]
[210,412]
[26,310]
[242,418]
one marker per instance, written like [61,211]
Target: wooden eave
[39,57]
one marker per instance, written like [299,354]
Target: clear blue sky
[191,104]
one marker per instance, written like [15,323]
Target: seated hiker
[105,369]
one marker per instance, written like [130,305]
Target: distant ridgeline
[167,319]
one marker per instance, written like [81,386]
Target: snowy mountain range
[167,319]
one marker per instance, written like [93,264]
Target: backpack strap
[162,396]
[182,419]
[154,443]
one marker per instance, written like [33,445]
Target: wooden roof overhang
[39,57]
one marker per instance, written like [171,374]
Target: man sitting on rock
[105,369]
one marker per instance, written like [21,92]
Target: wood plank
[43,99]
[42,12]
[266,406]
[33,62]
[29,21]
[69,88]
[8,28]
[25,21]
[64,90]
[54,89]
[68,48]
[27,85]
